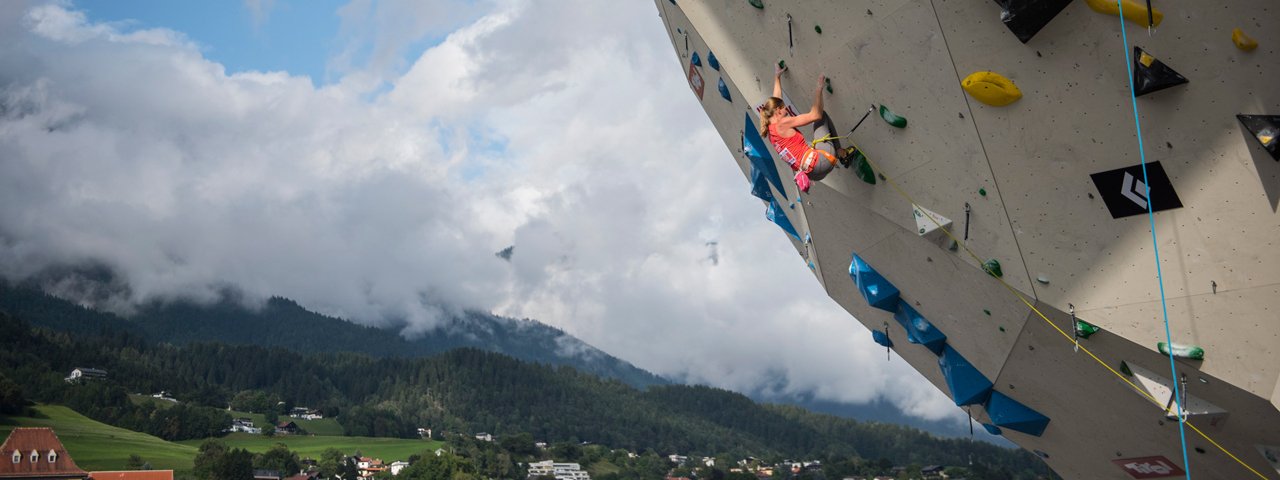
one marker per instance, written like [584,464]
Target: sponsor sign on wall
[1125,193]
[1149,467]
[695,80]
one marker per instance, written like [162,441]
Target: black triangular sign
[1026,17]
[1151,75]
[1265,129]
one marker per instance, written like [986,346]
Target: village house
[287,428]
[163,395]
[397,466]
[37,453]
[562,471]
[305,413]
[82,374]
[369,467]
[484,437]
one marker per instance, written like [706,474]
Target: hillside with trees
[463,390]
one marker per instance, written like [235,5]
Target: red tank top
[791,149]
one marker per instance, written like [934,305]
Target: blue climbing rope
[1151,218]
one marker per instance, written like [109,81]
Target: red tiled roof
[40,440]
[133,475]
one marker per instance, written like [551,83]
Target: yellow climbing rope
[1064,334]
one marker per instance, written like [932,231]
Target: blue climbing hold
[761,159]
[1008,413]
[968,385]
[881,338]
[776,215]
[695,60]
[724,90]
[760,185]
[919,330]
[711,60]
[874,288]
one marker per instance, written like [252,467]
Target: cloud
[259,10]
[581,146]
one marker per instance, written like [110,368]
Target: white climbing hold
[929,223]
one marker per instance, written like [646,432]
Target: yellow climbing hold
[991,88]
[1146,60]
[1133,11]
[1243,41]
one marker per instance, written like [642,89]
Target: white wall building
[562,471]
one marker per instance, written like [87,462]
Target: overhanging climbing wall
[1030,151]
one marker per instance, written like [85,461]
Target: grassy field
[98,446]
[388,449]
[324,426]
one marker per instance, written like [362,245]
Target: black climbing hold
[1168,144]
[724,90]
[828,82]
[868,11]
[695,60]
[1038,54]
[1265,128]
[1025,18]
[961,114]
[711,60]
[756,3]
[1151,75]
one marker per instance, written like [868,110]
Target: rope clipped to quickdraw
[828,138]
[1075,328]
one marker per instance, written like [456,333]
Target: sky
[367,159]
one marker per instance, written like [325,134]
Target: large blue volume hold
[754,147]
[968,385]
[1008,413]
[874,288]
[776,215]
[919,330]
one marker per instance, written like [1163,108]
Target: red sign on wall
[695,80]
[1149,467]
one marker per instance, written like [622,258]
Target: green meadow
[388,449]
[98,446]
[324,426]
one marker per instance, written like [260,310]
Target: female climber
[779,125]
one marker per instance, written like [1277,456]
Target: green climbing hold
[1001,329]
[993,267]
[1182,351]
[782,64]
[828,81]
[988,312]
[756,3]
[863,168]
[892,118]
[818,28]
[982,191]
[1085,329]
